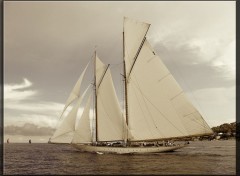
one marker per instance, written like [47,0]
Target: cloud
[28,129]
[28,110]
[43,107]
[16,92]
[39,119]
[17,98]
[21,106]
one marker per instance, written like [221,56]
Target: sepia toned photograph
[119,87]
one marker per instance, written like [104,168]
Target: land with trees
[224,131]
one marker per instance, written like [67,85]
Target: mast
[125,82]
[95,84]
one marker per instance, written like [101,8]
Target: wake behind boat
[155,107]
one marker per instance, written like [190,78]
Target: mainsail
[157,106]
[82,133]
[109,116]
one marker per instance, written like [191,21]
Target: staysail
[82,133]
[68,123]
[75,93]
[157,106]
[109,116]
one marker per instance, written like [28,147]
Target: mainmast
[95,84]
[125,81]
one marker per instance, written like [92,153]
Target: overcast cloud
[47,45]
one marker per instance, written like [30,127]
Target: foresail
[82,133]
[134,34]
[158,107]
[109,116]
[75,93]
[68,123]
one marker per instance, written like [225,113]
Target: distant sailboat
[156,108]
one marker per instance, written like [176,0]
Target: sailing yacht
[156,108]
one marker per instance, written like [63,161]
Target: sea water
[199,157]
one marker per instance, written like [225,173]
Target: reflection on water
[200,157]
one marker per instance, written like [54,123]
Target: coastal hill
[225,128]
[223,131]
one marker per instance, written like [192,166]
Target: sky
[48,44]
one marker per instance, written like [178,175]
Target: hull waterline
[125,150]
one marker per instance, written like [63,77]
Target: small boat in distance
[156,110]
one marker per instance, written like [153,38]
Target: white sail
[68,123]
[158,107]
[75,93]
[82,133]
[134,33]
[109,116]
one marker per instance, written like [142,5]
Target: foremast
[125,91]
[95,89]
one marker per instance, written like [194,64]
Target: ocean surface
[199,157]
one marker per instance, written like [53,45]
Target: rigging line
[103,76]
[160,112]
[138,87]
[143,114]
